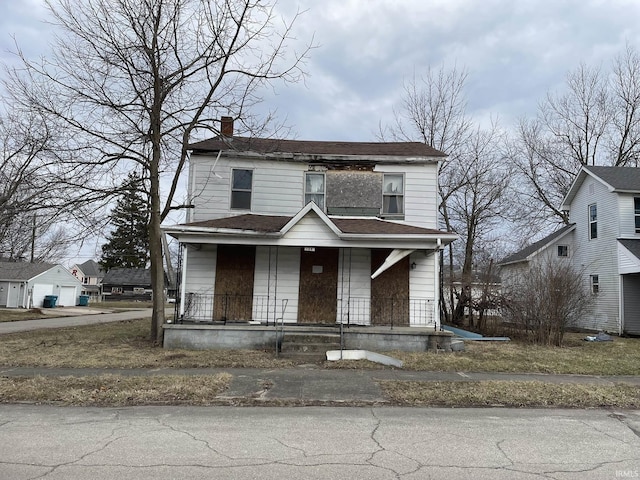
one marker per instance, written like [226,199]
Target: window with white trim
[241,183]
[593,221]
[636,211]
[393,194]
[314,188]
[595,284]
[563,250]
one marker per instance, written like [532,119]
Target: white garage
[30,283]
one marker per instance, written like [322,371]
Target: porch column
[183,282]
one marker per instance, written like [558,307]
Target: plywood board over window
[235,267]
[389,291]
[318,286]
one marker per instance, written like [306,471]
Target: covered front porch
[310,270]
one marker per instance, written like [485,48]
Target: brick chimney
[226,126]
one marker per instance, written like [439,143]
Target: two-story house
[90,274]
[602,241]
[311,232]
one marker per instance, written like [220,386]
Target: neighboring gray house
[127,284]
[603,241]
[24,285]
[558,245]
[311,232]
[90,274]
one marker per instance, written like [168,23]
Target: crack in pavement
[623,420]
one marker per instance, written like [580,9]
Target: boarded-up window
[353,192]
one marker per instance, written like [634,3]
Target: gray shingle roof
[127,276]
[22,271]
[274,223]
[262,145]
[523,254]
[620,178]
[91,269]
[632,245]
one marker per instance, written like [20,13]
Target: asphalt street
[161,443]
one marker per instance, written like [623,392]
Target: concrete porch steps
[309,346]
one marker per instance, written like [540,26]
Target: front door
[235,267]
[317,296]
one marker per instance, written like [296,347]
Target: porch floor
[200,336]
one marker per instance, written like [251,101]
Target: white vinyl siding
[277,277]
[278,187]
[311,230]
[628,216]
[422,285]
[201,265]
[627,261]
[354,286]
[599,255]
[420,193]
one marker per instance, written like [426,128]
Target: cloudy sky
[514,51]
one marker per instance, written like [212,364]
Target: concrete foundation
[253,337]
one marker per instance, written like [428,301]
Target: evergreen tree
[128,245]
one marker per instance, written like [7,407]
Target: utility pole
[33,239]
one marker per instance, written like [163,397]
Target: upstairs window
[563,250]
[595,284]
[241,181]
[314,188]
[636,211]
[393,195]
[593,221]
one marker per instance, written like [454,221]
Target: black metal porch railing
[363,311]
[201,307]
[393,312]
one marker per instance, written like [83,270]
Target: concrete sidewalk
[315,384]
[73,320]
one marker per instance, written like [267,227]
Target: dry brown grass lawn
[620,357]
[125,345]
[511,394]
[117,345]
[115,390]
[15,315]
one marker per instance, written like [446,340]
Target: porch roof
[275,223]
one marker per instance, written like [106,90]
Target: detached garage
[25,285]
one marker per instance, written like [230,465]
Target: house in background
[25,285]
[558,246]
[602,241]
[90,274]
[310,233]
[127,284]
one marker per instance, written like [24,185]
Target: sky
[514,51]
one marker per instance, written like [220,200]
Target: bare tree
[472,181]
[594,121]
[36,187]
[134,80]
[547,301]
[479,205]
